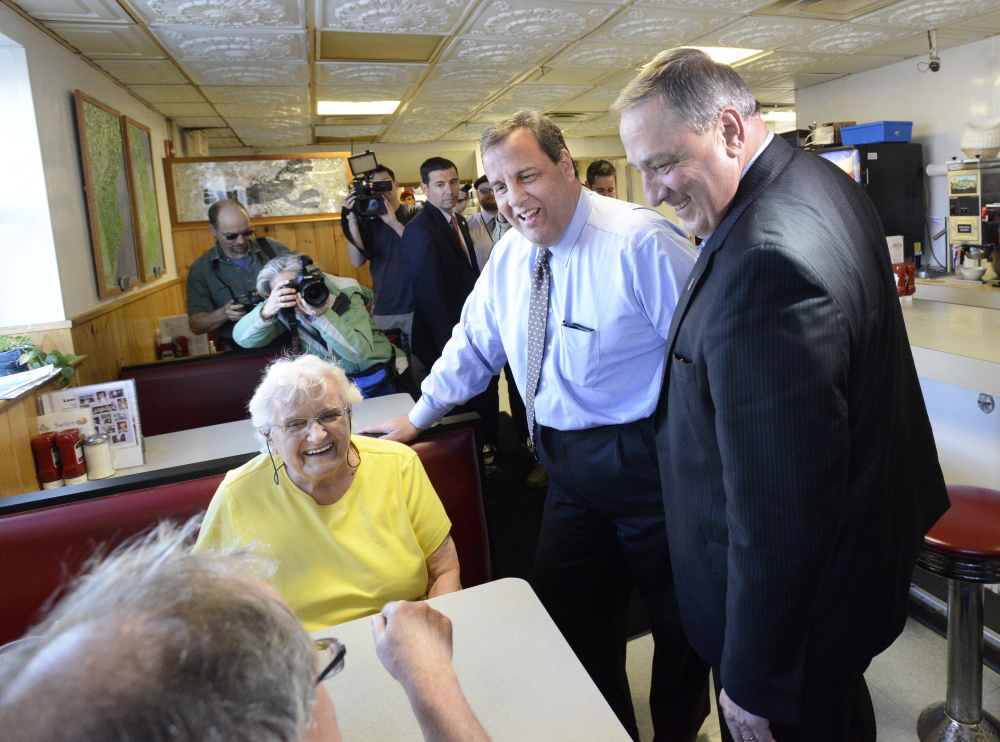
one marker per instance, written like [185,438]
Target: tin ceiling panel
[269,61]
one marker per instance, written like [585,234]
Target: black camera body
[248,301]
[369,202]
[309,284]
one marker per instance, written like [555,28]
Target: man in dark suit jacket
[798,465]
[443,271]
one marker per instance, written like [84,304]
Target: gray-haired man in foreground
[156,643]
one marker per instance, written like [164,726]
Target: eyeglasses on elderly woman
[297,425]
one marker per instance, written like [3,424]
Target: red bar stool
[964,546]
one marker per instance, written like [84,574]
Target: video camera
[369,202]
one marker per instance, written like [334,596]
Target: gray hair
[296,381]
[158,643]
[275,266]
[549,138]
[692,85]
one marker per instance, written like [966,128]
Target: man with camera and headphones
[326,316]
[220,283]
[374,219]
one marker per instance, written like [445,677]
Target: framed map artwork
[142,187]
[272,187]
[109,203]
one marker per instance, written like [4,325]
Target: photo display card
[114,411]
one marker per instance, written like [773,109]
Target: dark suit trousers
[602,532]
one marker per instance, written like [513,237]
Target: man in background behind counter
[220,282]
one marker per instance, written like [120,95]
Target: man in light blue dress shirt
[616,272]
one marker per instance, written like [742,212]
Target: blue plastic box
[877,131]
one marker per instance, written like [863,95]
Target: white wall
[55,72]
[939,104]
[30,292]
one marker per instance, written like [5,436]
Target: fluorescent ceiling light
[727,55]
[342,108]
[778,115]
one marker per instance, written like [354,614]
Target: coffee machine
[974,209]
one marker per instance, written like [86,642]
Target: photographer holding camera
[220,283]
[377,238]
[328,315]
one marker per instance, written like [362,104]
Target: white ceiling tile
[925,14]
[221,133]
[986,21]
[759,32]
[436,112]
[492,53]
[465,133]
[199,122]
[75,10]
[222,13]
[248,123]
[287,96]
[224,143]
[578,105]
[436,94]
[390,16]
[593,54]
[736,7]
[254,108]
[536,20]
[783,96]
[849,38]
[559,75]
[207,73]
[367,73]
[232,46]
[178,110]
[360,94]
[535,97]
[168,93]
[108,40]
[603,95]
[142,72]
[778,64]
[348,131]
[596,127]
[666,28]
[917,44]
[464,75]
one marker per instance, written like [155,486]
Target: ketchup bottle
[70,444]
[47,461]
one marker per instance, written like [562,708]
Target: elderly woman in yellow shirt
[351,522]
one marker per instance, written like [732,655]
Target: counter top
[955,344]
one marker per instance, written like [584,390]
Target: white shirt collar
[761,148]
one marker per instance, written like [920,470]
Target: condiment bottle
[70,445]
[97,452]
[47,460]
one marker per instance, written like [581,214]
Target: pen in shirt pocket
[575,326]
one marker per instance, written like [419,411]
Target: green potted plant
[19,352]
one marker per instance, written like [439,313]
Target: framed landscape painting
[109,202]
[142,188]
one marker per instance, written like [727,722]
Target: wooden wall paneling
[18,425]
[189,244]
[47,335]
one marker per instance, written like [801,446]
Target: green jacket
[351,339]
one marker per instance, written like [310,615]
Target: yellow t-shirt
[335,562]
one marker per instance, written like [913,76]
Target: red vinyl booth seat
[42,550]
[196,393]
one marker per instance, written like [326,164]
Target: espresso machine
[974,211]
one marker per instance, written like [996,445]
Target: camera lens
[314,293]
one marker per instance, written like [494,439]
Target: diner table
[519,675]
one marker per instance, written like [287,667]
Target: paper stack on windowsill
[14,384]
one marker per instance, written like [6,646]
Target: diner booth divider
[46,538]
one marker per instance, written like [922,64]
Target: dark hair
[549,138]
[479,181]
[433,165]
[214,209]
[693,85]
[599,169]
[387,171]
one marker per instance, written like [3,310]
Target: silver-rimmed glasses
[296,425]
